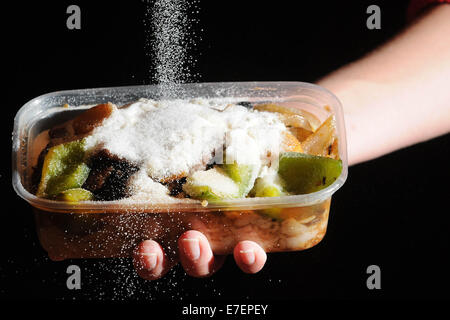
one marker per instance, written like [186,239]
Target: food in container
[107,168]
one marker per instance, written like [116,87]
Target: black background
[392,212]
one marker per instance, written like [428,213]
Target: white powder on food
[172,138]
[142,187]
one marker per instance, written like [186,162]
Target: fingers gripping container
[113,229]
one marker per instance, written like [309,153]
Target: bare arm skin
[396,96]
[399,94]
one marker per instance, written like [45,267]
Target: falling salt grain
[169,42]
[172,36]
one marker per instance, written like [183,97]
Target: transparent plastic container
[113,229]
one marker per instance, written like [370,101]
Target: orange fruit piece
[92,118]
[290,143]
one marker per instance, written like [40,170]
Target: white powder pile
[144,188]
[173,138]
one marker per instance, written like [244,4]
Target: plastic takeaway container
[113,229]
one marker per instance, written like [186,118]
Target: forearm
[399,94]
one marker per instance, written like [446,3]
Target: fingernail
[248,256]
[150,259]
[192,248]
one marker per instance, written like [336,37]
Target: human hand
[194,252]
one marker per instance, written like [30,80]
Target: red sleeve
[417,6]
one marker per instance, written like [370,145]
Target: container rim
[194,205]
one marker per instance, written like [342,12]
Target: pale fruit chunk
[75,195]
[304,173]
[244,175]
[300,133]
[295,121]
[321,141]
[304,118]
[63,169]
[269,186]
[267,191]
[333,150]
[213,184]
